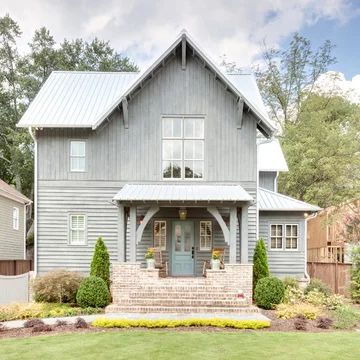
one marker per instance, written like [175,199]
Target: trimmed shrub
[355,275]
[260,261]
[290,282]
[59,286]
[100,264]
[289,311]
[316,284]
[41,328]
[93,292]
[80,323]
[324,323]
[269,292]
[300,322]
[346,317]
[222,323]
[33,322]
[61,323]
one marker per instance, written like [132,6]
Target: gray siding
[11,241]
[281,262]
[267,180]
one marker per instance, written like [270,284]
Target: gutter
[32,134]
[312,216]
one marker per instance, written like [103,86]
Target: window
[77,230]
[205,235]
[276,235]
[160,234]
[15,217]
[291,240]
[183,148]
[77,155]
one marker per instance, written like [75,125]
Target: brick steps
[180,309]
[199,295]
[183,302]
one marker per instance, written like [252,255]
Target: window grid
[160,234]
[276,237]
[77,155]
[205,235]
[15,218]
[77,229]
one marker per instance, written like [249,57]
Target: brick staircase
[143,291]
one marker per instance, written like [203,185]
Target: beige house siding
[12,242]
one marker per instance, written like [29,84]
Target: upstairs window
[77,156]
[15,218]
[77,229]
[205,235]
[183,148]
[160,234]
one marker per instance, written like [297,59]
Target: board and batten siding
[267,180]
[12,242]
[284,262]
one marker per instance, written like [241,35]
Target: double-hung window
[15,218]
[77,155]
[182,148]
[160,234]
[205,235]
[77,230]
[276,237]
[284,236]
[291,234]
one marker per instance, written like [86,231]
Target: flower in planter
[149,253]
[216,254]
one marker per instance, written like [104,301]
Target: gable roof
[86,99]
[11,193]
[270,155]
[272,201]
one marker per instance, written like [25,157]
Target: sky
[142,29]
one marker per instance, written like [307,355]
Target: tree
[322,150]
[100,264]
[261,267]
[287,75]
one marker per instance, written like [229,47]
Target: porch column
[121,233]
[132,233]
[232,245]
[244,235]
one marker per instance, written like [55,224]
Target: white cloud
[142,28]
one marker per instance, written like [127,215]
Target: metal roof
[272,201]
[86,99]
[271,156]
[182,193]
[9,192]
[75,98]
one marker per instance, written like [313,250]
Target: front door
[182,248]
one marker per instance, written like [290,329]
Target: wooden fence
[15,267]
[335,275]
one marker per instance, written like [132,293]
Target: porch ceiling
[182,193]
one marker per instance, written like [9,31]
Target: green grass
[172,345]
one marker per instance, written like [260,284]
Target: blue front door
[182,248]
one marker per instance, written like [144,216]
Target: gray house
[167,159]
[13,206]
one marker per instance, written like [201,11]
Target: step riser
[183,302]
[194,296]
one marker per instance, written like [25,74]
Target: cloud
[142,29]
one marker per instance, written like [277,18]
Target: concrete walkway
[15,324]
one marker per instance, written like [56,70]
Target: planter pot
[215,264]
[150,264]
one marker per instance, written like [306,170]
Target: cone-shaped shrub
[100,265]
[261,267]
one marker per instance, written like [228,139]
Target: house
[13,207]
[167,159]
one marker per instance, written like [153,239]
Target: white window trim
[297,237]
[163,248]
[15,218]
[284,237]
[85,230]
[182,139]
[73,156]
[212,236]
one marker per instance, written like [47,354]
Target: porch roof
[182,193]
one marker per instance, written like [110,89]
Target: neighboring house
[166,158]
[13,207]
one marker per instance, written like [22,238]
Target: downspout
[26,205]
[35,199]
[312,216]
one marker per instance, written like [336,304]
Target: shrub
[100,264]
[269,292]
[300,322]
[334,302]
[33,322]
[80,323]
[93,292]
[290,283]
[346,317]
[58,286]
[293,295]
[315,297]
[41,328]
[222,323]
[289,311]
[261,267]
[355,275]
[319,285]
[324,323]
[61,323]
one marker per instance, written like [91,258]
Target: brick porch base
[135,289]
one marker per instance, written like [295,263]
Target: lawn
[130,344]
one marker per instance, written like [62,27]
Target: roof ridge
[94,72]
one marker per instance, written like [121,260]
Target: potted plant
[215,260]
[149,257]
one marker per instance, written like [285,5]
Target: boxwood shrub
[93,292]
[269,292]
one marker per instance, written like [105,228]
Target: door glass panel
[187,238]
[177,237]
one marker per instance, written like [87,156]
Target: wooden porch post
[121,233]
[244,235]
[132,231]
[232,245]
